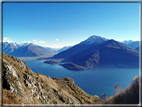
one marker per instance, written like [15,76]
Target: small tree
[37,73]
[135,80]
[104,96]
[117,89]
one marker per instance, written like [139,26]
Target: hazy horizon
[56,47]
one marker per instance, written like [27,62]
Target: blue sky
[63,24]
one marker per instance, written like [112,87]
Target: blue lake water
[93,81]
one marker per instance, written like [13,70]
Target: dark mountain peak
[117,45]
[114,44]
[110,43]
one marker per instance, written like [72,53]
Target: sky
[66,24]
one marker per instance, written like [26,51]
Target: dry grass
[68,85]
[10,98]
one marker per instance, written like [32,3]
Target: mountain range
[29,49]
[92,52]
[97,51]
[26,50]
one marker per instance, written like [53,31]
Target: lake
[94,81]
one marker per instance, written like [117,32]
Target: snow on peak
[94,39]
[16,44]
[25,43]
[11,42]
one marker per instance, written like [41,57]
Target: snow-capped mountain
[26,43]
[9,47]
[99,51]
[13,44]
[94,39]
[25,49]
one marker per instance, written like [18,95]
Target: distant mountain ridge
[26,50]
[64,48]
[32,50]
[132,44]
[127,41]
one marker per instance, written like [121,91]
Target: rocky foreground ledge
[22,86]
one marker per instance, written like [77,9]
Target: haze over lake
[93,81]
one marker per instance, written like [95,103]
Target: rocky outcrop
[68,85]
[21,83]
[71,66]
